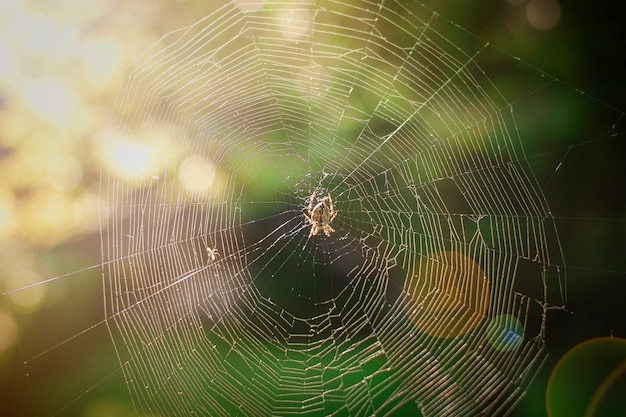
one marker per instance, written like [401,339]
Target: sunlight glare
[131,160]
[102,58]
[37,36]
[140,157]
[51,100]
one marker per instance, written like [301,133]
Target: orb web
[429,298]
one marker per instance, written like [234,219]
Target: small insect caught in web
[212,253]
[320,215]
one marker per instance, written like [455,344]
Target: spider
[212,253]
[321,215]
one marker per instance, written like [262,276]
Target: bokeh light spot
[448,295]
[543,14]
[589,380]
[505,332]
[197,174]
[131,160]
[29,296]
[140,157]
[295,24]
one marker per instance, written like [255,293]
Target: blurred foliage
[60,67]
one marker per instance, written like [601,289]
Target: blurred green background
[61,63]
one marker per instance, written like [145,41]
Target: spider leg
[332,208]
[311,199]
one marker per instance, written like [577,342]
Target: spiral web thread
[430,295]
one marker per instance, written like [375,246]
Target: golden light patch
[200,178]
[447,295]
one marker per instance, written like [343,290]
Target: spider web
[430,297]
[444,244]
